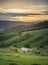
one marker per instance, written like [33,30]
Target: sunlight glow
[15,10]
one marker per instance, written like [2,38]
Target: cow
[26,50]
[13,49]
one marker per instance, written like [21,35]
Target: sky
[23,6]
[34,5]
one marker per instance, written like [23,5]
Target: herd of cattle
[24,50]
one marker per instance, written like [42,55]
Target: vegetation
[34,37]
[22,59]
[37,38]
[37,26]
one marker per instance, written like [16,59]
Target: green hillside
[29,39]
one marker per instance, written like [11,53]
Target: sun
[15,10]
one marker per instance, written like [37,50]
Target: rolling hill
[30,27]
[12,26]
[28,38]
[4,24]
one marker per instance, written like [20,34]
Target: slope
[29,38]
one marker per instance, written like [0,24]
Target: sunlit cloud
[17,10]
[29,18]
[25,5]
[2,10]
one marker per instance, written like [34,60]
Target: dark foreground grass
[22,59]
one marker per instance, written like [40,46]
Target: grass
[6,36]
[22,59]
[36,37]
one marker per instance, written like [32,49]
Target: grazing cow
[13,49]
[25,50]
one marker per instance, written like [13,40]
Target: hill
[4,24]
[34,38]
[26,26]
[11,26]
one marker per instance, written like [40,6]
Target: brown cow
[13,49]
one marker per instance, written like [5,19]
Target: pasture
[32,39]
[22,59]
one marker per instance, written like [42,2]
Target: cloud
[2,10]
[45,12]
[22,17]
[3,16]
[29,18]
[22,3]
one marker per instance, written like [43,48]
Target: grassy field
[22,59]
